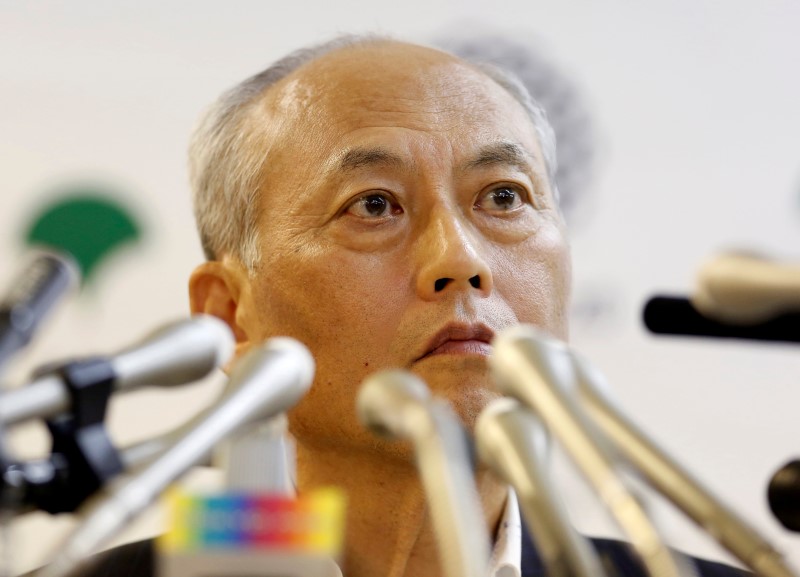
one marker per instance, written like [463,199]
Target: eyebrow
[358,158]
[500,153]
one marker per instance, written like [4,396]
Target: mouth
[460,339]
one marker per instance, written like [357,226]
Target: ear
[219,288]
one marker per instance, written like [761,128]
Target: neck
[389,531]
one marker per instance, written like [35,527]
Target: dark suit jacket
[137,560]
[619,560]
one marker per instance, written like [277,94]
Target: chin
[468,386]
[468,404]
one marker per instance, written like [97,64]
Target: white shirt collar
[506,560]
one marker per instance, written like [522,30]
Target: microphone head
[505,423]
[525,346]
[744,289]
[47,276]
[783,495]
[178,353]
[284,365]
[388,403]
[46,279]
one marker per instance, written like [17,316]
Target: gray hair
[226,153]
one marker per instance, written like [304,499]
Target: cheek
[535,278]
[328,297]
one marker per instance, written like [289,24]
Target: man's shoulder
[621,555]
[619,560]
[135,559]
[138,560]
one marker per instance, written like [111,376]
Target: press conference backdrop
[694,131]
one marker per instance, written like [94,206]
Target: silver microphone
[178,353]
[669,478]
[260,458]
[269,380]
[513,443]
[538,371]
[396,404]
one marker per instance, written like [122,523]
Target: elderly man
[388,205]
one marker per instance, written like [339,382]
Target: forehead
[428,108]
[394,85]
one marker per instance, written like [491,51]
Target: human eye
[373,206]
[499,199]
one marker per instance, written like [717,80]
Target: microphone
[76,232]
[269,380]
[669,478]
[397,405]
[261,459]
[256,459]
[538,371]
[678,316]
[178,353]
[33,294]
[513,443]
[783,494]
[744,289]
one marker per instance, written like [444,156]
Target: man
[402,216]
[388,205]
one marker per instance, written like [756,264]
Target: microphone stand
[83,457]
[268,380]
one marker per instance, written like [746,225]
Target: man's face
[405,218]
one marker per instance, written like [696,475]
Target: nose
[451,259]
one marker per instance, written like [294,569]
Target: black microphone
[783,495]
[33,294]
[669,315]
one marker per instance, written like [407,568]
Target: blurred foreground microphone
[178,353]
[743,289]
[33,294]
[674,482]
[269,380]
[737,296]
[396,404]
[538,371]
[784,495]
[513,443]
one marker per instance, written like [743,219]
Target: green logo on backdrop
[89,223]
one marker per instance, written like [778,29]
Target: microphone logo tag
[234,534]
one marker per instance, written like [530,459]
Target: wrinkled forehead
[393,84]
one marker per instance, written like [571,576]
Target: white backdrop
[699,146]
